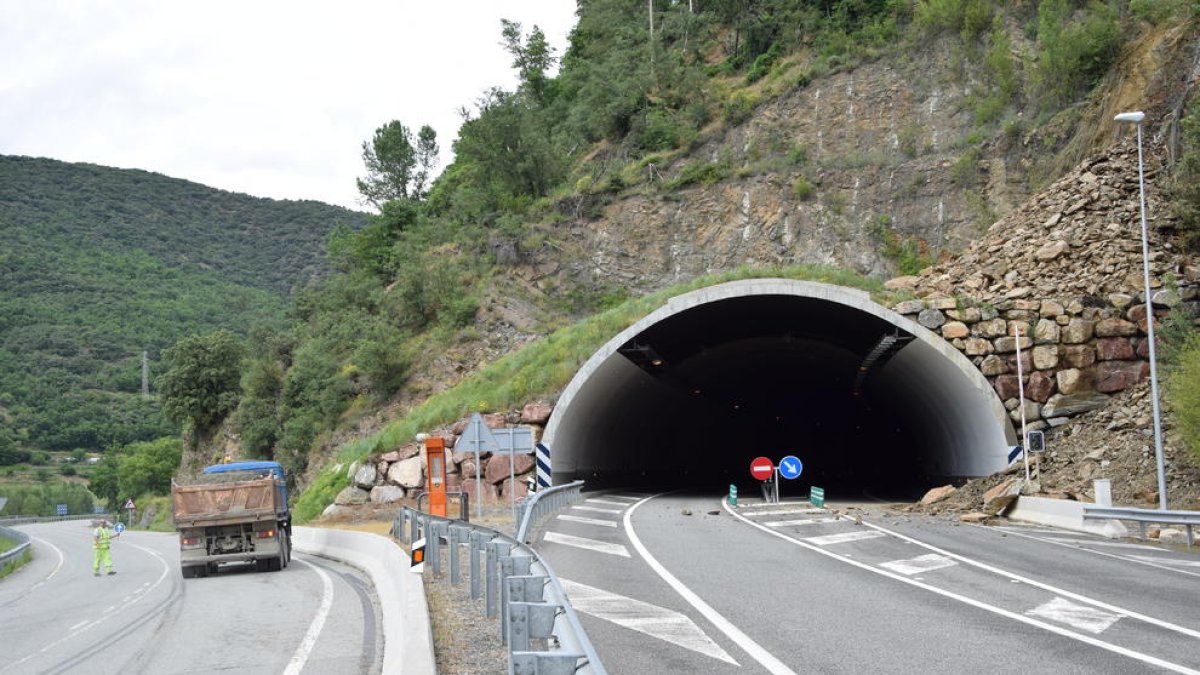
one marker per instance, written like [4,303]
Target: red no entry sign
[761,468]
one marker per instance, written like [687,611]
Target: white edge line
[1145,658]
[1079,545]
[300,656]
[722,624]
[1044,586]
[57,568]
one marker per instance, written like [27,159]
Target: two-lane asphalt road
[56,617]
[684,584]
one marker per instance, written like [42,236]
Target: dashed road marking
[923,563]
[643,617]
[596,509]
[588,521]
[804,521]
[597,500]
[1094,621]
[585,543]
[785,512]
[844,537]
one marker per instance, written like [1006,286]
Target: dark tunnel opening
[689,398]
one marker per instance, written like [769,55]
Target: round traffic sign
[790,467]
[762,468]
[120,527]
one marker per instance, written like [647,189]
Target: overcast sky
[270,98]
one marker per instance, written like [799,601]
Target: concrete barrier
[1065,514]
[407,636]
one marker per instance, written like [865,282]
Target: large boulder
[998,499]
[407,473]
[351,496]
[937,494]
[366,476]
[386,494]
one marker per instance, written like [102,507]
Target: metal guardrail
[24,520]
[538,505]
[1142,517]
[541,630]
[21,540]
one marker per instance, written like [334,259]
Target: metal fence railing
[1143,517]
[19,538]
[540,629]
[542,503]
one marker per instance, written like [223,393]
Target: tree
[202,380]
[147,468]
[531,59]
[395,168]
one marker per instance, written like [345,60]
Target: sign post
[478,437]
[763,469]
[789,468]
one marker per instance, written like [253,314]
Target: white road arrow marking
[919,564]
[652,620]
[585,543]
[1094,621]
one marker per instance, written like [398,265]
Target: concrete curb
[407,636]
[1065,514]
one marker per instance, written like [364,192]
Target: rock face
[1060,280]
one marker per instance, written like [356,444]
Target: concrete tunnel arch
[867,398]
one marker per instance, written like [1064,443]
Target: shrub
[1183,392]
[802,189]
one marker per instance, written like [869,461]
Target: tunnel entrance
[870,401]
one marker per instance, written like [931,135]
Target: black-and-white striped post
[542,457]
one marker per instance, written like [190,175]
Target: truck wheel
[262,565]
[285,544]
[188,572]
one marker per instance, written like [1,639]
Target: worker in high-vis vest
[101,541]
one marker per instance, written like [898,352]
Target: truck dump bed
[219,502]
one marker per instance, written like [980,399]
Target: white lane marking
[786,512]
[596,509]
[804,521]
[768,505]
[300,656]
[1082,617]
[585,543]
[588,521]
[1149,561]
[919,564]
[1044,586]
[658,622]
[756,652]
[81,623]
[628,499]
[1165,562]
[59,566]
[1139,656]
[843,537]
[91,624]
[597,500]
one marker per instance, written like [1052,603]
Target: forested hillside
[100,264]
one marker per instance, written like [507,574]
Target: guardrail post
[478,543]
[458,534]
[529,620]
[495,549]
[543,663]
[510,566]
[413,527]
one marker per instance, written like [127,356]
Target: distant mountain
[99,264]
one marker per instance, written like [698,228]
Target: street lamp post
[1135,118]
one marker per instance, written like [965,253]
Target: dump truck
[229,513]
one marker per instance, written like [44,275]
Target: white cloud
[270,98]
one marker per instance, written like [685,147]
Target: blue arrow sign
[790,467]
[120,527]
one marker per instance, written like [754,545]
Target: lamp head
[1130,117]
